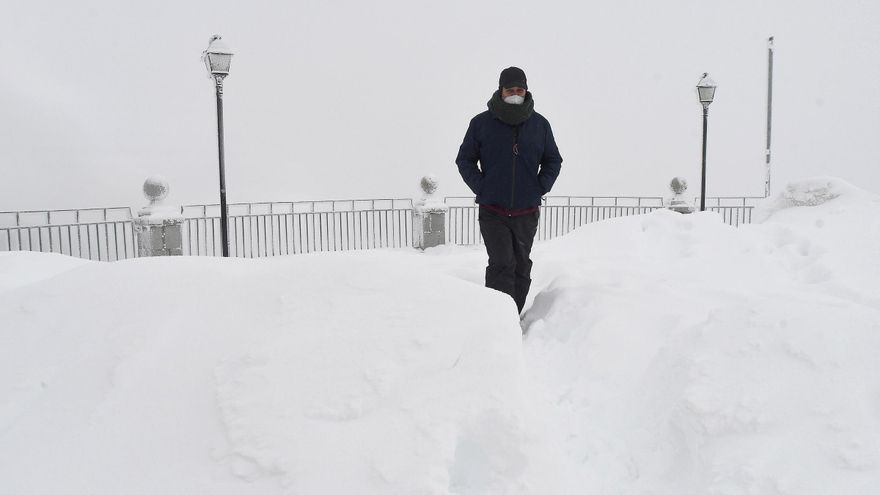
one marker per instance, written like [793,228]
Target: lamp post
[706,92]
[217,58]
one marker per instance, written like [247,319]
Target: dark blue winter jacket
[518,164]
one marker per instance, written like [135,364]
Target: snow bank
[18,269]
[811,192]
[678,355]
[311,374]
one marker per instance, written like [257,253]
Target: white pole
[769,114]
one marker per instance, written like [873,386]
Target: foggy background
[347,99]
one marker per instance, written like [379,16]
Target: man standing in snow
[518,163]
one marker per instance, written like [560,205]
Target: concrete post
[429,217]
[678,202]
[159,228]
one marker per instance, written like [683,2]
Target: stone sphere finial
[429,184]
[155,189]
[678,185]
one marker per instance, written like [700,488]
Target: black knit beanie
[512,77]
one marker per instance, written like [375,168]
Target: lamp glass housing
[706,89]
[217,56]
[706,93]
[218,63]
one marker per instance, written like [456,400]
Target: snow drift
[682,356]
[664,354]
[312,374]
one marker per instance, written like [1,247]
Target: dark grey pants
[509,242]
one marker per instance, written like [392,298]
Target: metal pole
[769,114]
[703,181]
[224,234]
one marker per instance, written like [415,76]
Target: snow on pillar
[678,202]
[159,228]
[429,217]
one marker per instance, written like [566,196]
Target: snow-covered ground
[664,354]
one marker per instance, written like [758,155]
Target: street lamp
[217,58]
[706,92]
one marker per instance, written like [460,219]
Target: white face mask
[514,99]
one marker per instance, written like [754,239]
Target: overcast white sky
[353,99]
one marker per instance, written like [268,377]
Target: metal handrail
[77,212]
[744,199]
[128,208]
[290,206]
[61,225]
[546,200]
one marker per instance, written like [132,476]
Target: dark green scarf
[511,114]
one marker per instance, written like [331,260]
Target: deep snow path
[666,354]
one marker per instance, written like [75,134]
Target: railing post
[678,203]
[159,228]
[429,217]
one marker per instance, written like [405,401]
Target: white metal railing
[562,214]
[734,210]
[283,228]
[101,234]
[559,214]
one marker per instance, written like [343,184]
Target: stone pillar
[679,202]
[159,228]
[429,217]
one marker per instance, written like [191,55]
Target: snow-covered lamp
[706,90]
[217,56]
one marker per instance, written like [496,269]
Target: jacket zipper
[513,169]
